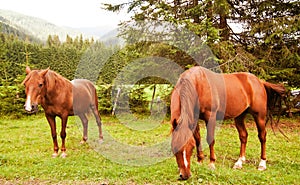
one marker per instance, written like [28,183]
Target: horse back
[229,95]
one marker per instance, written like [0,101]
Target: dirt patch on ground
[37,182]
[291,124]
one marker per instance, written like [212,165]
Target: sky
[69,13]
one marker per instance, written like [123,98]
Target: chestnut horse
[61,97]
[201,93]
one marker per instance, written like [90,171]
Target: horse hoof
[100,141]
[239,163]
[262,165]
[200,161]
[54,155]
[211,166]
[82,142]
[237,166]
[63,155]
[261,168]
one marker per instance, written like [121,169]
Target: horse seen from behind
[61,97]
[201,93]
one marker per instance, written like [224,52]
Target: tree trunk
[223,26]
[196,16]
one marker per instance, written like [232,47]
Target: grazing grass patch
[26,148]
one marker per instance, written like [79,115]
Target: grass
[26,148]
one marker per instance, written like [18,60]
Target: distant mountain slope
[36,27]
[6,28]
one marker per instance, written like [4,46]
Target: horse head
[34,84]
[183,144]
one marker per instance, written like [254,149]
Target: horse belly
[237,101]
[81,103]
[233,111]
[83,98]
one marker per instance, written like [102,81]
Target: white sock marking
[243,158]
[262,165]
[239,163]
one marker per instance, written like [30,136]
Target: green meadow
[26,148]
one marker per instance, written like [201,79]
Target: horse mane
[27,78]
[53,80]
[189,114]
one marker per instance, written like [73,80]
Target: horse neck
[56,84]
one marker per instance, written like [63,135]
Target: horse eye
[40,85]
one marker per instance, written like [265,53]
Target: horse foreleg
[210,138]
[52,124]
[243,135]
[63,135]
[197,136]
[262,135]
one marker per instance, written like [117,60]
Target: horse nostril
[181,177]
[34,107]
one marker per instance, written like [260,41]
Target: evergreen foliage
[266,45]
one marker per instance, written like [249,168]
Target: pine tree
[267,45]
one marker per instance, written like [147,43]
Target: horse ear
[28,70]
[44,72]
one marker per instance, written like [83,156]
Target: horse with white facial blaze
[61,97]
[203,94]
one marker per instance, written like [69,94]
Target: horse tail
[275,94]
[96,98]
[189,114]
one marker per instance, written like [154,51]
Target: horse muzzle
[184,177]
[33,108]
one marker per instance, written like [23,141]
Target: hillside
[36,27]
[6,28]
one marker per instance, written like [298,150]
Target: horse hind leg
[243,135]
[98,120]
[84,122]
[262,135]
